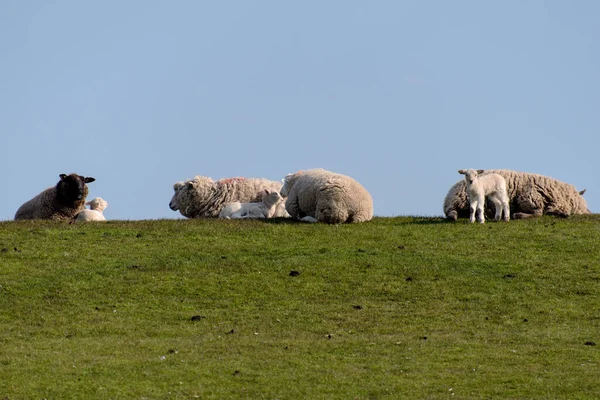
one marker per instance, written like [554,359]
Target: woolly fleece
[327,196]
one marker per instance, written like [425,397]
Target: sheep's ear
[582,192]
[88,179]
[190,185]
[88,203]
[461,171]
[63,176]
[480,171]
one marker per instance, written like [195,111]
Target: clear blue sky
[397,94]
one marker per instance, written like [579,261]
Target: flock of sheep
[317,195]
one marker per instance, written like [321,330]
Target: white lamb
[97,205]
[265,209]
[492,186]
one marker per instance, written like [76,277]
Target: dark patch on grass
[197,317]
[294,273]
[423,338]
[231,332]
[408,279]
[236,372]
[4,249]
[509,276]
[357,307]
[361,250]
[223,257]
[139,235]
[590,343]
[401,247]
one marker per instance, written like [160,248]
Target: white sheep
[530,195]
[202,197]
[97,205]
[61,202]
[265,209]
[491,186]
[317,195]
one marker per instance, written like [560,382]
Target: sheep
[97,205]
[202,197]
[479,187]
[317,195]
[530,195]
[265,209]
[61,202]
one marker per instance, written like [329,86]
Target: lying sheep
[481,187]
[265,209]
[529,195]
[61,202]
[202,197]
[319,195]
[97,205]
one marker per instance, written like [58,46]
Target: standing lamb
[265,209]
[61,202]
[319,195]
[530,195]
[202,197]
[481,187]
[97,205]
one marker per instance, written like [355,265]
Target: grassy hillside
[394,308]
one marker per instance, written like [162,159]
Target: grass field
[400,307]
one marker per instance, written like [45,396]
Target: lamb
[61,202]
[97,205]
[265,209]
[202,197]
[317,195]
[479,187]
[530,195]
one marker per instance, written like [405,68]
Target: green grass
[395,308]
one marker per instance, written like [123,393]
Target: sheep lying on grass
[203,197]
[481,187]
[265,209]
[97,205]
[529,195]
[61,202]
[319,195]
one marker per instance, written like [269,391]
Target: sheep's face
[97,203]
[72,188]
[470,175]
[285,189]
[272,197]
[174,203]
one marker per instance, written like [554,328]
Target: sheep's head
[97,203]
[174,203]
[72,188]
[271,196]
[285,189]
[470,175]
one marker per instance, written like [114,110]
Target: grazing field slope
[402,307]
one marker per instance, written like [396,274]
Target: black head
[72,188]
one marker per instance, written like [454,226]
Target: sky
[399,95]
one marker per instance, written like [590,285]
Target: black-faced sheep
[481,187]
[61,202]
[202,197]
[529,195]
[319,195]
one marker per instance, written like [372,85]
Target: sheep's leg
[481,216]
[497,206]
[473,209]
